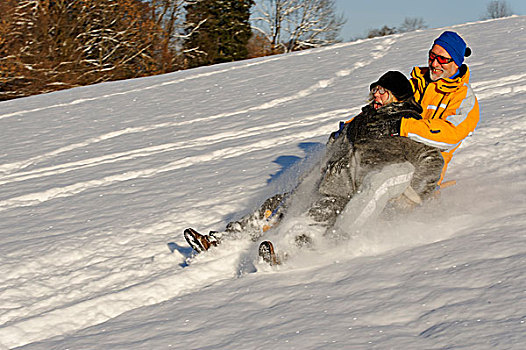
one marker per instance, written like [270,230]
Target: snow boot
[199,242]
[267,253]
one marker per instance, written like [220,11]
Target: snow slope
[97,184]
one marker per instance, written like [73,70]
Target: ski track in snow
[36,198]
[381,50]
[102,275]
[485,89]
[140,90]
[512,84]
[47,314]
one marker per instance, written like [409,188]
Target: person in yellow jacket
[450,108]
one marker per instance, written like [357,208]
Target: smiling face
[437,70]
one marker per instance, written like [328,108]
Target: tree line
[49,45]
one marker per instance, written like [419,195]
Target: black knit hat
[397,83]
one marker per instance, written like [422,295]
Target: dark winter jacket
[368,124]
[360,148]
[364,146]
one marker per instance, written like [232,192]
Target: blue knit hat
[454,45]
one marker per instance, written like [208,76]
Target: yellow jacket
[451,112]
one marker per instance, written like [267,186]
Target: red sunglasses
[440,59]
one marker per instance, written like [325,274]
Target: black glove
[383,128]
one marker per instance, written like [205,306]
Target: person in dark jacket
[363,161]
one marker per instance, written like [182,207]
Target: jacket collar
[421,74]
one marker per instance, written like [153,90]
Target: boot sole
[267,253]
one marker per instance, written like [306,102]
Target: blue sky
[364,15]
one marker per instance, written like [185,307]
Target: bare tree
[385,30]
[16,74]
[169,15]
[411,24]
[51,45]
[269,20]
[498,9]
[291,25]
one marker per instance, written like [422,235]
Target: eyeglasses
[378,89]
[440,59]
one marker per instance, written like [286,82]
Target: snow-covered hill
[97,184]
